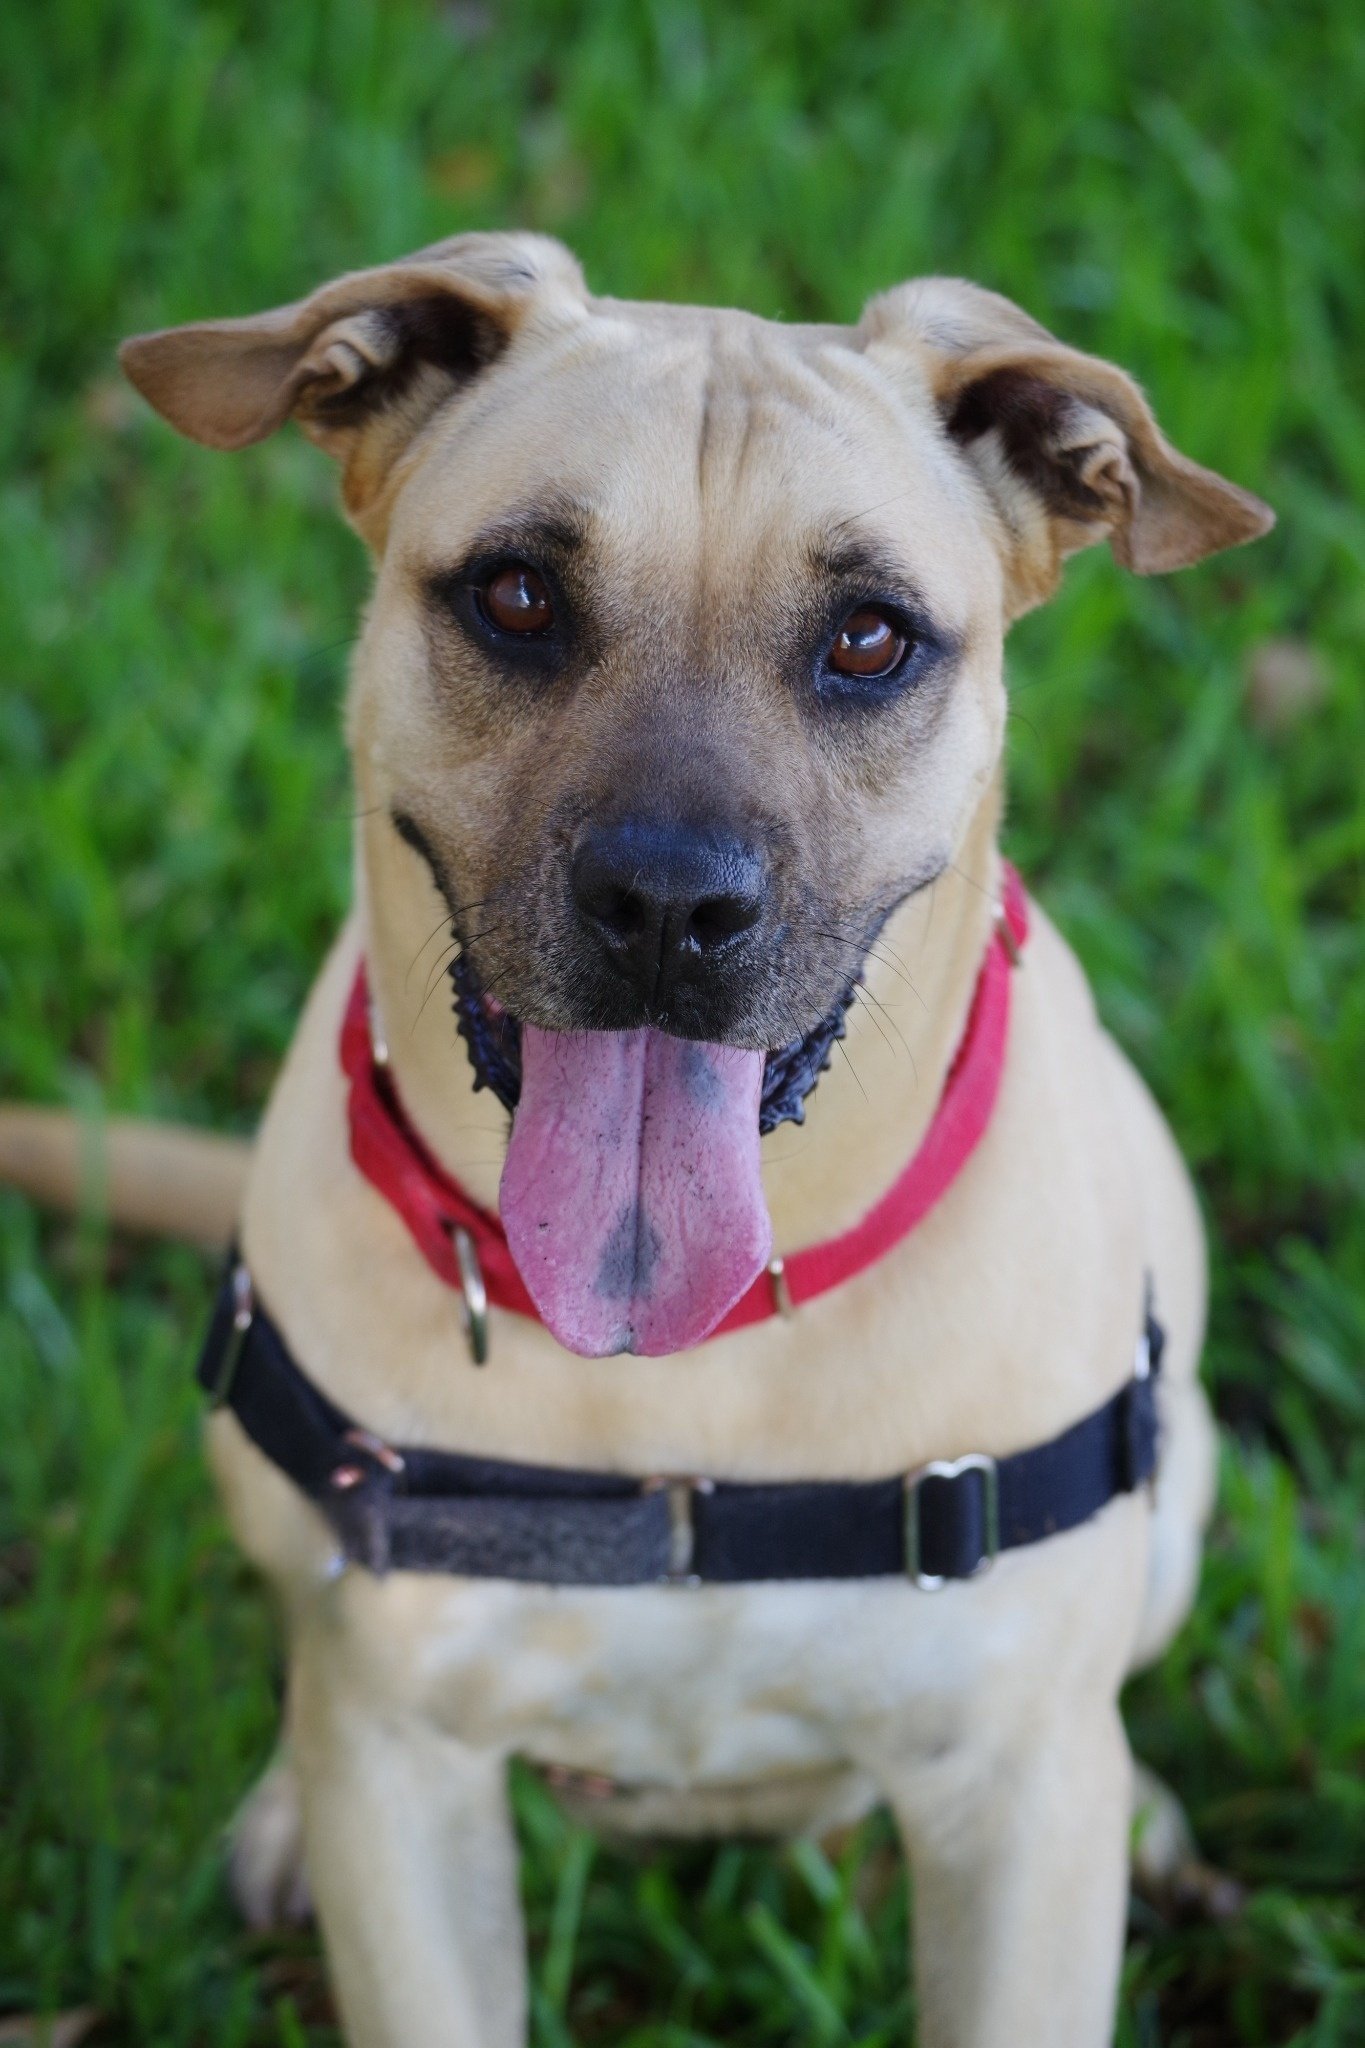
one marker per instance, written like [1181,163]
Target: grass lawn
[1179,187]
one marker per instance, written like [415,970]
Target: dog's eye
[515,600]
[867,644]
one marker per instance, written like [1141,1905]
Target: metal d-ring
[379,1044]
[781,1287]
[243,1315]
[474,1295]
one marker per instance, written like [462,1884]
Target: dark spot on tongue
[703,1083]
[632,1194]
[629,1257]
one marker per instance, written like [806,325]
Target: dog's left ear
[1064,443]
[362,362]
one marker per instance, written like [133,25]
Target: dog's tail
[164,1179]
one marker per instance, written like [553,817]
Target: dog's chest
[678,1686]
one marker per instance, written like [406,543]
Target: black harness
[444,1511]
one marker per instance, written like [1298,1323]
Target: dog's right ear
[376,349]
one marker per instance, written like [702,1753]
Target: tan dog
[667,591]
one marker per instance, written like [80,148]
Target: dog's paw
[1167,1866]
[265,1851]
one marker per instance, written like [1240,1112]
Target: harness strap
[444,1511]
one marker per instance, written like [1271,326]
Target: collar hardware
[782,1294]
[1009,938]
[473,1295]
[979,1521]
[467,1248]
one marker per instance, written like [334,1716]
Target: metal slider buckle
[1007,939]
[1142,1356]
[682,1532]
[345,1477]
[243,1311]
[473,1295]
[951,1468]
[1142,1373]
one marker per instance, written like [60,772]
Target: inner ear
[1073,456]
[229,383]
[1064,444]
[387,345]
[361,365]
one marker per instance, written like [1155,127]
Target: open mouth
[631,1195]
[790,1072]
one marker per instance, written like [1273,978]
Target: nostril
[664,899]
[718,918]
[605,895]
[620,910]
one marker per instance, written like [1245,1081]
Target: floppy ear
[375,349]
[1064,443]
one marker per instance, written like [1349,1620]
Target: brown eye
[515,600]
[867,644]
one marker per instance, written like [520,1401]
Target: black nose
[666,901]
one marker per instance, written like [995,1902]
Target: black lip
[493,1040]
[493,1036]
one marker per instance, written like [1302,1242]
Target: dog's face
[683,669]
[684,662]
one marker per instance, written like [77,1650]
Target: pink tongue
[631,1195]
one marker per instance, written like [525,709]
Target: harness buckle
[243,1314]
[950,1469]
[1142,1354]
[384,1454]
[682,1528]
[1139,1440]
[473,1295]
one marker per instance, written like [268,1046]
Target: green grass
[1179,187]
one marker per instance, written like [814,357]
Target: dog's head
[683,666]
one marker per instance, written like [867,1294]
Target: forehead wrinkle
[757,390]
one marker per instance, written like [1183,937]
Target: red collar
[392,1156]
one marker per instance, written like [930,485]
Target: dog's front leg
[412,1861]
[1020,1868]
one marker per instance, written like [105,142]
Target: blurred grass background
[1181,188]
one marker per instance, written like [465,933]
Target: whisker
[443,960]
[909,1052]
[894,499]
[448,919]
[932,894]
[851,1068]
[434,981]
[900,974]
[431,990]
[972,882]
[858,951]
[316,654]
[439,926]
[860,1010]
